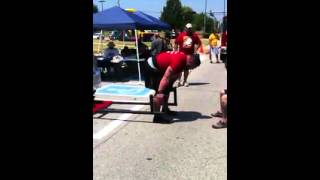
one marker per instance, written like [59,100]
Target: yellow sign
[131,10]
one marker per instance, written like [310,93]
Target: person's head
[111,45]
[193,61]
[125,48]
[156,35]
[188,28]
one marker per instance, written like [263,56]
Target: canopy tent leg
[100,40]
[137,51]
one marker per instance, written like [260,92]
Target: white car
[97,36]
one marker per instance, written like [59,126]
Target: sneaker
[217,114]
[178,83]
[104,70]
[169,112]
[186,84]
[124,65]
[181,83]
[218,124]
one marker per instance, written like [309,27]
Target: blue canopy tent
[157,24]
[119,19]
[116,18]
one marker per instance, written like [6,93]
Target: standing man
[157,45]
[187,42]
[214,48]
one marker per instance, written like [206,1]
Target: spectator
[125,52]
[187,42]
[110,52]
[221,123]
[157,45]
[143,49]
[214,48]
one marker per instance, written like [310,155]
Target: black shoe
[169,112]
[158,118]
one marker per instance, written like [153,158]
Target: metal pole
[102,1]
[123,33]
[224,7]
[137,51]
[100,40]
[205,14]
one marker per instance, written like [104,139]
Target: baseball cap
[189,25]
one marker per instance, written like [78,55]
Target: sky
[154,7]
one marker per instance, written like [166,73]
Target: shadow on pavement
[198,83]
[185,116]
[127,120]
[182,116]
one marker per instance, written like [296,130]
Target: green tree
[95,9]
[187,14]
[172,14]
[198,20]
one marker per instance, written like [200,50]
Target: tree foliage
[95,9]
[172,14]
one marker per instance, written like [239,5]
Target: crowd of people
[165,66]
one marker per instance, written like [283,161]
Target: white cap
[189,25]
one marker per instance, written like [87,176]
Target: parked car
[97,36]
[117,35]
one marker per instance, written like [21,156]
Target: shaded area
[185,116]
[198,83]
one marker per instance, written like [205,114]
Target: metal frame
[150,103]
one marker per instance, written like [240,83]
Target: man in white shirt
[110,52]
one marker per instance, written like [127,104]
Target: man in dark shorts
[161,72]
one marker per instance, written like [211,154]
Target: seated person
[144,51]
[110,52]
[221,123]
[125,52]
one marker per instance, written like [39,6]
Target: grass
[119,44]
